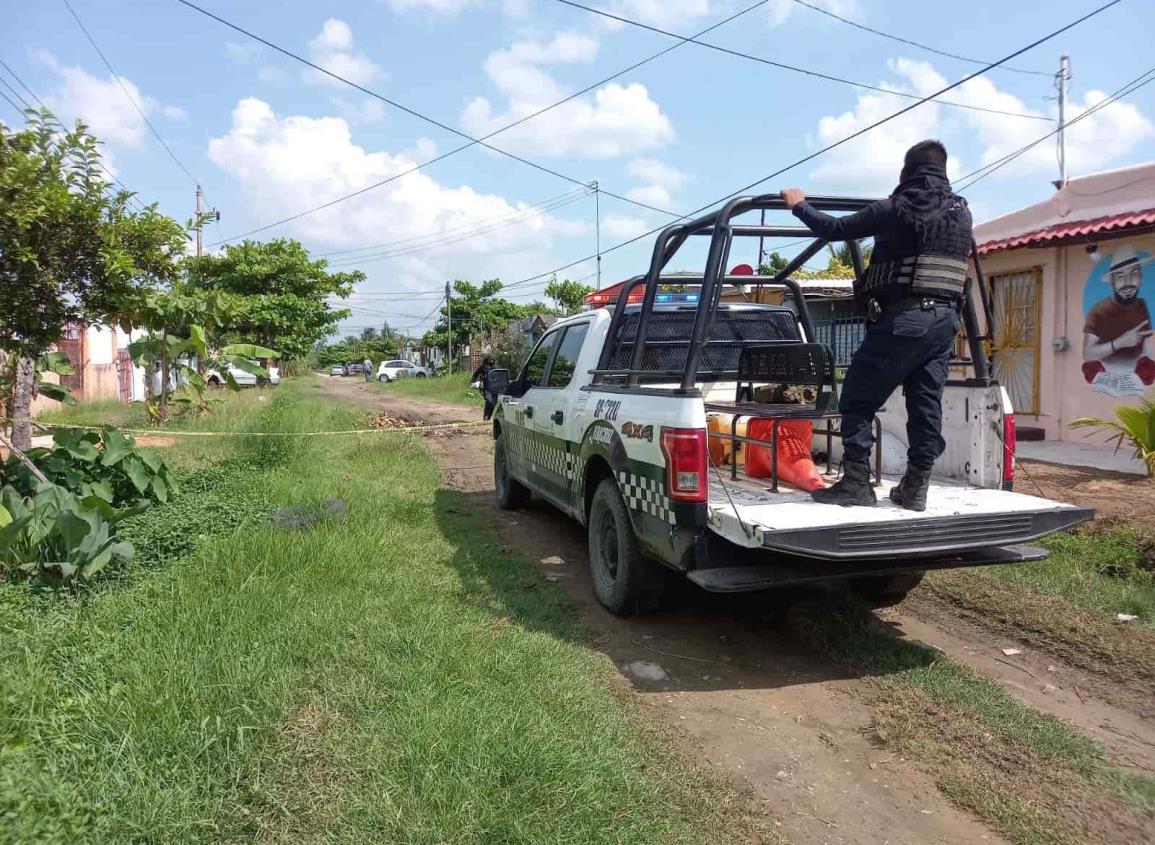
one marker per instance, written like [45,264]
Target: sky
[269,138]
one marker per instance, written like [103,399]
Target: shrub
[103,468]
[1133,425]
[54,534]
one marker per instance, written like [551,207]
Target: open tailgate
[957,518]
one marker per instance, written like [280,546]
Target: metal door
[1017,313]
[72,345]
[124,374]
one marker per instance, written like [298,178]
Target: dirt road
[743,694]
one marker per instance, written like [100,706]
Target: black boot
[853,489]
[911,491]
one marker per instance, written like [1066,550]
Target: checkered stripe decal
[646,495]
[548,456]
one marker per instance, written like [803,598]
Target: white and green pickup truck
[614,419]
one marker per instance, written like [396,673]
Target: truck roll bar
[717,226]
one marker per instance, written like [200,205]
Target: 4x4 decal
[637,431]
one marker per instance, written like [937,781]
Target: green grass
[1029,774]
[1095,570]
[452,389]
[398,677]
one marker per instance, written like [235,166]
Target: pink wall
[1071,279]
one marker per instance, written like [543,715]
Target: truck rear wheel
[624,581]
[511,494]
[887,590]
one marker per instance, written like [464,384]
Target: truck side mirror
[497,381]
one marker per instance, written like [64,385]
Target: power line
[128,94]
[434,241]
[986,170]
[414,113]
[792,68]
[911,43]
[1098,10]
[472,141]
[131,194]
[358,260]
[451,230]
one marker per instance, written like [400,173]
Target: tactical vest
[938,269]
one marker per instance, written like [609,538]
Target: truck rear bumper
[916,538]
[787,572]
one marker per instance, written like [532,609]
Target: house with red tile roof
[1073,292]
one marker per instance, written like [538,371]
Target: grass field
[399,676]
[1031,776]
[453,389]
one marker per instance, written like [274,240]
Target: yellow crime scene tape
[165,432]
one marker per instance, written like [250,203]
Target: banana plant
[175,356]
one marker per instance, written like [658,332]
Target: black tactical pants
[911,348]
[490,403]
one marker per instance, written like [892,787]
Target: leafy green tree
[71,249]
[281,296]
[476,308]
[775,261]
[569,296]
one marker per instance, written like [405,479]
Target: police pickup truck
[631,419]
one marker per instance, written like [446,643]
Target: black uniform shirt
[893,236]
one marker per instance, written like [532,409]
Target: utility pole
[200,225]
[202,216]
[598,229]
[1062,78]
[449,334]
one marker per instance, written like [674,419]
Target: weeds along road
[836,752]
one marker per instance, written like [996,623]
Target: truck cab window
[565,362]
[533,373]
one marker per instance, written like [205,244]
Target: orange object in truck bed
[795,466]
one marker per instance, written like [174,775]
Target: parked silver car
[392,370]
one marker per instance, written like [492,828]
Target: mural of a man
[1116,331]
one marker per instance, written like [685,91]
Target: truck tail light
[685,451]
[1009,446]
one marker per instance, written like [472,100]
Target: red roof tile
[1053,235]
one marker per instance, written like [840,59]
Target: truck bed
[958,517]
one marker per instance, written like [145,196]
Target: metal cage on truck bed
[647,348]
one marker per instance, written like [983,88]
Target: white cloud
[285,163]
[665,14]
[781,10]
[657,172]
[871,163]
[332,49]
[623,226]
[617,120]
[243,51]
[102,104]
[268,73]
[444,7]
[365,111]
[654,195]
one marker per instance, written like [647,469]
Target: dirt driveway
[741,692]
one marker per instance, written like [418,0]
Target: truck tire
[511,494]
[624,581]
[887,590]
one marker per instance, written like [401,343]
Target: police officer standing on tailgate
[912,293]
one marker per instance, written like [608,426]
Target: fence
[843,335]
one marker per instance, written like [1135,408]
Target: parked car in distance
[391,370]
[354,368]
[217,378]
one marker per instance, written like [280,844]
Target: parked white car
[217,378]
[391,370]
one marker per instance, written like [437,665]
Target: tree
[71,250]
[476,308]
[569,296]
[775,262]
[281,295]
